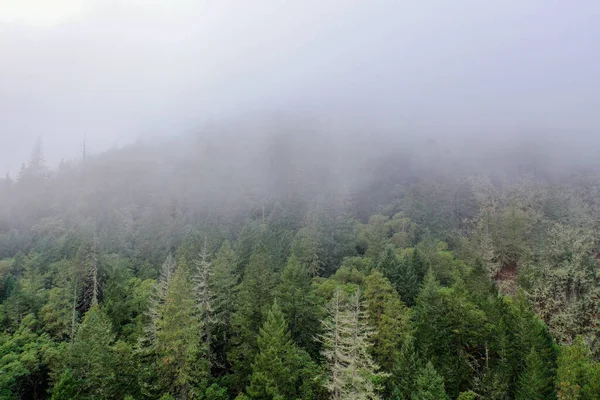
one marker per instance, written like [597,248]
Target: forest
[298,264]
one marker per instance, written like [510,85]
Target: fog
[117,71]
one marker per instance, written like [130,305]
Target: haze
[122,70]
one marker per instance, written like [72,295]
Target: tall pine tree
[280,370]
[299,305]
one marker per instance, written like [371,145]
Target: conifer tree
[299,305]
[534,382]
[577,375]
[225,291]
[428,309]
[158,298]
[346,348]
[66,388]
[179,342]
[408,365]
[390,318]
[253,302]
[280,370]
[406,281]
[429,385]
[92,358]
[203,279]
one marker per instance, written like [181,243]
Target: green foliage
[429,385]
[66,388]
[253,302]
[179,344]
[470,395]
[225,286]
[535,383]
[577,375]
[408,365]
[451,331]
[22,357]
[299,305]
[92,358]
[390,318]
[469,282]
[280,370]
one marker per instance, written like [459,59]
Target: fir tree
[253,302]
[280,369]
[534,382]
[67,387]
[203,279]
[92,358]
[406,281]
[179,342]
[299,304]
[157,300]
[346,348]
[225,291]
[390,318]
[429,385]
[408,365]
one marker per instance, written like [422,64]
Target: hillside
[285,260]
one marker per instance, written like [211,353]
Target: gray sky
[124,69]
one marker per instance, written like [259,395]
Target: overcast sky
[119,70]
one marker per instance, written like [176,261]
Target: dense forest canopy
[286,260]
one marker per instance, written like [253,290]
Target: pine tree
[419,266]
[429,385]
[157,300]
[280,368]
[388,263]
[253,302]
[203,279]
[534,382]
[346,348]
[92,358]
[390,318]
[577,375]
[299,304]
[305,246]
[406,281]
[406,370]
[428,309]
[225,291]
[66,388]
[179,342]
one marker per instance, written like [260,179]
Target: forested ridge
[298,265]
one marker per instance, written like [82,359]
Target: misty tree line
[269,272]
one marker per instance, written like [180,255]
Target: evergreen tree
[388,263]
[406,281]
[346,348]
[92,358]
[299,305]
[429,385]
[66,388]
[305,246]
[408,366]
[390,318]
[534,382]
[157,300]
[577,375]
[223,304]
[205,297]
[280,369]
[253,302]
[179,342]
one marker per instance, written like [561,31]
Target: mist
[115,72]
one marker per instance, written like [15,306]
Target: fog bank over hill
[122,70]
